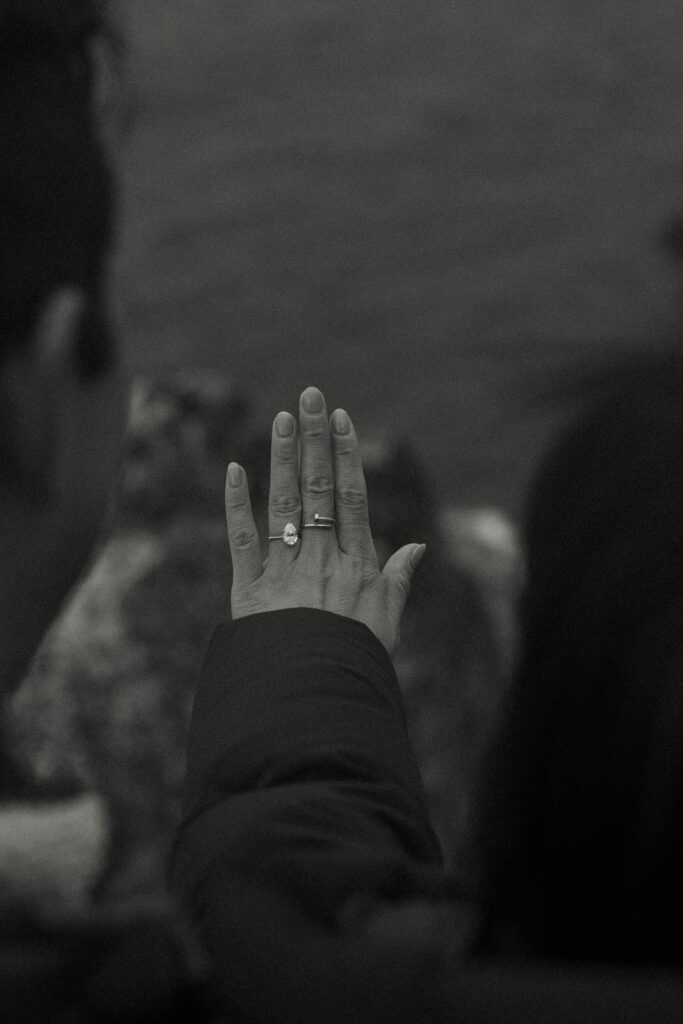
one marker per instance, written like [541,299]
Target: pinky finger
[245,549]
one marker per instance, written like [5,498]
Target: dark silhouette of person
[63,397]
[586,788]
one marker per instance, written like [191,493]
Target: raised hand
[321,549]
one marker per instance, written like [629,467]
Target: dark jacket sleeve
[299,772]
[301,794]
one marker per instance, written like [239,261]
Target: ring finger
[284,502]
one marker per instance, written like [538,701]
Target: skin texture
[317,471]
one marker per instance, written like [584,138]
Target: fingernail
[234,474]
[284,424]
[341,424]
[312,400]
[416,556]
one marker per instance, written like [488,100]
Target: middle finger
[316,473]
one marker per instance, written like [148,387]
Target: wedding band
[289,535]
[320,522]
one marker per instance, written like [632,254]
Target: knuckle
[344,449]
[284,504]
[403,584]
[316,433]
[243,538]
[352,497]
[318,485]
[285,454]
[237,503]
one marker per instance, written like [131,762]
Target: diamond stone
[289,534]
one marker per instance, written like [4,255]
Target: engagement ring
[289,535]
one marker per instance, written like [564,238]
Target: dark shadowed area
[432,211]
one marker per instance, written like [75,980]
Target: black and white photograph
[341,512]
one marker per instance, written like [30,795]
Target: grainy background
[419,205]
[439,212]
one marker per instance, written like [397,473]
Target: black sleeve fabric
[299,771]
[302,794]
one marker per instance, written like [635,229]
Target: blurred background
[434,211]
[448,216]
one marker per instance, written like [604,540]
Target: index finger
[351,496]
[245,549]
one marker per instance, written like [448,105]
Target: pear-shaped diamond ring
[290,535]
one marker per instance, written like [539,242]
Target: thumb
[398,573]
